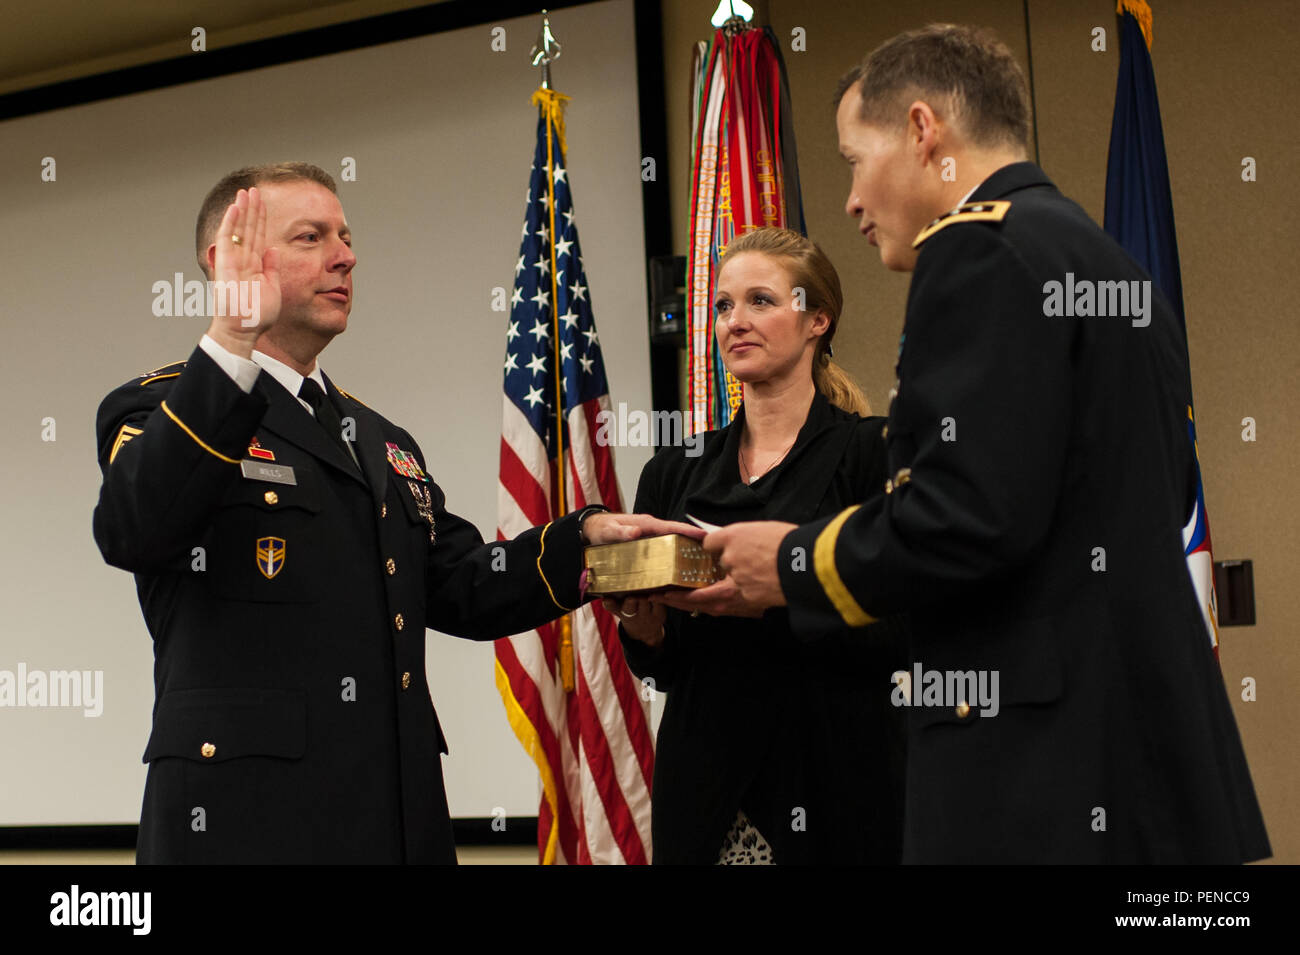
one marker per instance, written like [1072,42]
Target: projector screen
[440,132]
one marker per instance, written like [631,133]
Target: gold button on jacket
[902,477]
[898,480]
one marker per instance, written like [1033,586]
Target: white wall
[442,133]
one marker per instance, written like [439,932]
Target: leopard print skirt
[745,845]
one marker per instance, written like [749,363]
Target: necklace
[744,471]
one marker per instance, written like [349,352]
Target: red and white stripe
[593,747]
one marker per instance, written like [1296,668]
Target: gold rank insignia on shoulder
[270,556]
[994,211]
[171,370]
[123,436]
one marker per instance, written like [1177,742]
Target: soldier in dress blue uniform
[290,548]
[1040,478]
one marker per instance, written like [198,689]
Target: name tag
[262,471]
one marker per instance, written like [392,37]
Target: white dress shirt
[243,372]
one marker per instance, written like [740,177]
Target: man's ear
[924,131]
[210,256]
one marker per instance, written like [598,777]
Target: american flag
[591,740]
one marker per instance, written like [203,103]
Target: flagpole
[595,803]
[544,51]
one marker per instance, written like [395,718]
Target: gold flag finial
[1141,11]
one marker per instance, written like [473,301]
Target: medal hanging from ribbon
[423,505]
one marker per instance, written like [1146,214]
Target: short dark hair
[223,194]
[964,72]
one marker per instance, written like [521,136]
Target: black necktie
[326,414]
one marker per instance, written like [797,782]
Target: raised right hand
[246,309]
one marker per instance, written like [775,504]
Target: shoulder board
[166,371]
[348,394]
[994,211]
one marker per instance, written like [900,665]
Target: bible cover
[650,563]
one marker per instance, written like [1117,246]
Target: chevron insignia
[123,436]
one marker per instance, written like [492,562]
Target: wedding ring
[235,239]
[626,616]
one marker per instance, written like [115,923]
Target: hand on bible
[613,528]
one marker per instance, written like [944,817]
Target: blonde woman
[771,750]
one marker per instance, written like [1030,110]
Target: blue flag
[1140,216]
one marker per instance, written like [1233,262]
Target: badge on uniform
[276,473]
[255,450]
[423,504]
[270,556]
[123,436]
[404,463]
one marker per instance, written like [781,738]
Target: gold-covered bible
[650,563]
